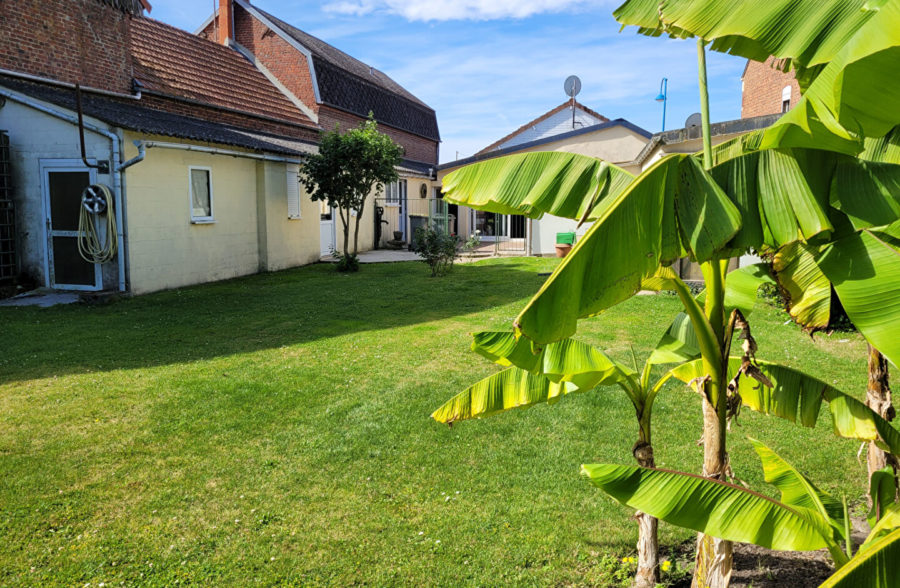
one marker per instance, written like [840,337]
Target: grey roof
[619,122]
[730,127]
[416,168]
[349,84]
[132,115]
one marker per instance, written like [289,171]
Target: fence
[396,220]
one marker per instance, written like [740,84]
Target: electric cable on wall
[95,200]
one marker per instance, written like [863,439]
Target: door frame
[48,166]
[333,223]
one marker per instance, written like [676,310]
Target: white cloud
[431,10]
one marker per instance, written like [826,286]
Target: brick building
[335,88]
[197,142]
[765,89]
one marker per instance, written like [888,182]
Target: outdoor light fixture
[662,97]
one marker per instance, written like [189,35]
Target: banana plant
[545,373]
[785,187]
[805,518]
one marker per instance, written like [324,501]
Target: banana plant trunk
[713,563]
[647,575]
[878,398]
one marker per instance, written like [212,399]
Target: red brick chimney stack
[226,21]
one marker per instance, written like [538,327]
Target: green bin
[565,238]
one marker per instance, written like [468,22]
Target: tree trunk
[346,224]
[878,398]
[647,575]
[714,556]
[359,214]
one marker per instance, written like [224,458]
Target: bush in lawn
[436,248]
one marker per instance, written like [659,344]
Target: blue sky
[489,66]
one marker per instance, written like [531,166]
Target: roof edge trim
[290,41]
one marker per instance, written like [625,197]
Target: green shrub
[436,248]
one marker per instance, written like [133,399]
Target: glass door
[63,184]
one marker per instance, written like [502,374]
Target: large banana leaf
[567,185]
[878,566]
[847,53]
[505,390]
[802,32]
[634,234]
[797,397]
[808,289]
[709,506]
[562,361]
[865,271]
[638,231]
[798,491]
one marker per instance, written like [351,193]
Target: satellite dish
[572,86]
[694,120]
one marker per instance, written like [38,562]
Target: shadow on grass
[249,314]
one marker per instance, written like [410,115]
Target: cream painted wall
[166,250]
[284,242]
[613,144]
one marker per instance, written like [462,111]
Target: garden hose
[95,200]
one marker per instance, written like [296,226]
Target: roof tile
[178,64]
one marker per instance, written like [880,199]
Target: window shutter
[293,191]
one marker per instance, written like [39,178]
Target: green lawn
[274,430]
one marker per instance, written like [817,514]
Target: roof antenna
[572,86]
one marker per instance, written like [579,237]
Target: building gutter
[116,171]
[51,82]
[144,145]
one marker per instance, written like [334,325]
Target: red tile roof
[178,64]
[543,117]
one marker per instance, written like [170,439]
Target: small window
[395,192]
[201,195]
[293,191]
[786,99]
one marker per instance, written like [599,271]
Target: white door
[62,182]
[326,229]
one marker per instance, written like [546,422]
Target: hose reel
[97,201]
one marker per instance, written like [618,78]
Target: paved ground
[40,298]
[380,256]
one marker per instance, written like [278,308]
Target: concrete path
[381,256]
[41,298]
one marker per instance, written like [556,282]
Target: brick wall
[762,88]
[84,41]
[415,148]
[292,69]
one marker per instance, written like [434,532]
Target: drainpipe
[116,166]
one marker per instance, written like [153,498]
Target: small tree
[347,168]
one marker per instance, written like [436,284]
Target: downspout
[116,166]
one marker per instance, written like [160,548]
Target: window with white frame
[201,194]
[395,192]
[786,99]
[293,191]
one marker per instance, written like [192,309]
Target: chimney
[225,22]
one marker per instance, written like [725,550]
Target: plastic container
[565,238]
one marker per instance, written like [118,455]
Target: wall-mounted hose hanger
[94,245]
